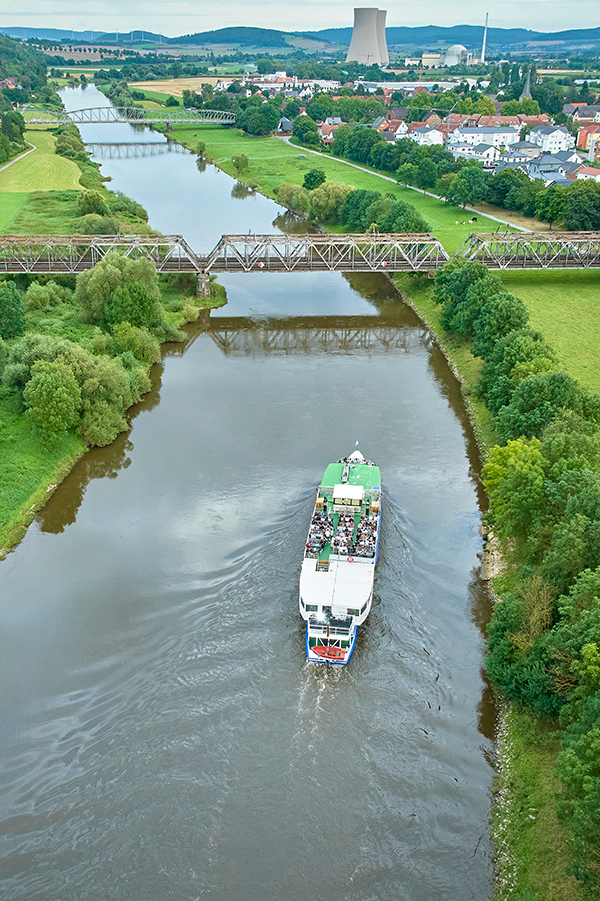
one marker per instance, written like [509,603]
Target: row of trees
[359,210]
[543,481]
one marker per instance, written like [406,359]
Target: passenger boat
[338,570]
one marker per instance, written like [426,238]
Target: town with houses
[532,143]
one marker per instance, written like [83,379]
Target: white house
[496,135]
[552,138]
[486,154]
[426,136]
[588,173]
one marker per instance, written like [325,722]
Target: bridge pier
[203,284]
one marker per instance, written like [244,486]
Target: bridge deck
[300,253]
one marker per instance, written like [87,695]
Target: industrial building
[369,44]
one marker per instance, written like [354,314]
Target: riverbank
[531,851]
[31,467]
[273,162]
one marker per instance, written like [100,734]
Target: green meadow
[274,162]
[565,307]
[10,207]
[41,170]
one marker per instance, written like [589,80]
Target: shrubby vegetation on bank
[77,359]
[359,210]
[543,481]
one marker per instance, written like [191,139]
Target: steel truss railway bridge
[132,115]
[46,254]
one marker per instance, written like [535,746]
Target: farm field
[41,170]
[565,307]
[175,86]
[273,162]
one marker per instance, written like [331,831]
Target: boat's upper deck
[368,477]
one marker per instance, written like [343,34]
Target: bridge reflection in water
[127,151]
[311,336]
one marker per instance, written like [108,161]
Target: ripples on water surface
[161,734]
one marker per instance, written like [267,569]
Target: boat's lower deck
[330,649]
[343,533]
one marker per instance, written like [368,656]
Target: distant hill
[422,37]
[252,37]
[50,34]
[88,37]
[469,35]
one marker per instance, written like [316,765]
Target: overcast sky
[176,17]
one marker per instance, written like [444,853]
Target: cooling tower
[364,46]
[381,40]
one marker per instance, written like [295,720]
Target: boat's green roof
[359,474]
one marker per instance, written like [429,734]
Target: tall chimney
[484,38]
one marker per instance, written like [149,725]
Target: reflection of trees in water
[292,224]
[99,463]
[240,191]
[201,164]
[480,610]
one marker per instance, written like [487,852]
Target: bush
[94,224]
[133,303]
[101,423]
[92,202]
[294,197]
[38,296]
[52,397]
[327,201]
[95,287]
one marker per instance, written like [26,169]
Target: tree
[240,162]
[200,148]
[92,202]
[581,206]
[135,304]
[535,403]
[313,179]
[500,314]
[94,287]
[52,397]
[514,479]
[470,186]
[13,125]
[12,318]
[407,174]
[292,109]
[294,197]
[427,174]
[550,203]
[327,201]
[305,129]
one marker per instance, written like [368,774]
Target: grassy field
[524,821]
[273,162]
[565,307]
[157,97]
[29,470]
[41,170]
[10,206]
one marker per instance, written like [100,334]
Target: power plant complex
[369,44]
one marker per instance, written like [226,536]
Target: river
[161,733]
